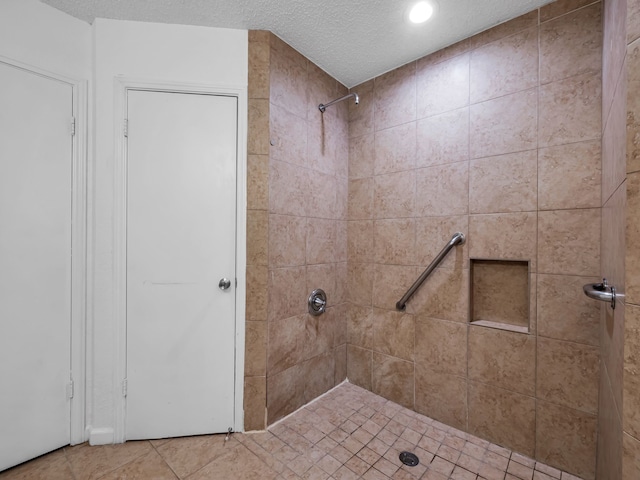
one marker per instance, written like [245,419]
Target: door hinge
[124,387]
[125,127]
[73,126]
[70,387]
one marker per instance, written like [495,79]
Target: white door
[35,264]
[181,210]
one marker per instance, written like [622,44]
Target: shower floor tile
[349,433]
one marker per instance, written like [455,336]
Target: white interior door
[181,208]
[35,264]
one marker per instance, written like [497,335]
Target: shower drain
[409,459]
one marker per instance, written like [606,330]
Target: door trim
[122,86]
[79,264]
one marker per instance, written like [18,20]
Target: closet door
[35,264]
[181,210]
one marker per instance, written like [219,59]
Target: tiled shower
[498,137]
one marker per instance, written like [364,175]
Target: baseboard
[101,436]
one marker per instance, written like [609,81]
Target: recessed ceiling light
[420,12]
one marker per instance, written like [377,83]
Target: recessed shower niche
[500,294]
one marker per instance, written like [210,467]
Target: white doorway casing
[120,229]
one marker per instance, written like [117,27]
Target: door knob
[224,283]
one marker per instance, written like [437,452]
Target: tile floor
[348,433]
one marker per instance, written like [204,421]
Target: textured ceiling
[353,40]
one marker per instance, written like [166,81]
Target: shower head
[322,107]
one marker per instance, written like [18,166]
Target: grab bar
[457,239]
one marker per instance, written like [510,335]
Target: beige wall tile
[561,7]
[360,282]
[257,292]
[285,343]
[338,319]
[360,240]
[613,236]
[506,66]
[566,439]
[288,136]
[504,125]
[612,350]
[632,259]
[568,242]
[609,448]
[340,253]
[393,379]
[568,374]
[258,127]
[289,187]
[255,401]
[360,326]
[571,45]
[441,396]
[443,189]
[506,183]
[443,138]
[570,110]
[361,115]
[321,240]
[320,200]
[441,346]
[633,22]
[260,36]
[390,282]
[505,236]
[394,333]
[633,107]
[614,48]
[631,387]
[289,79]
[502,417]
[394,195]
[318,376]
[342,285]
[318,335]
[342,199]
[395,241]
[340,363]
[285,393]
[258,81]
[569,176]
[614,142]
[511,27]
[360,204]
[565,312]
[433,233]
[630,457]
[500,292]
[287,292]
[395,149]
[361,156]
[255,356]
[442,87]
[257,237]
[395,97]
[359,365]
[502,359]
[323,276]
[444,295]
[257,182]
[287,240]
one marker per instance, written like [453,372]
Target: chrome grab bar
[601,291]
[457,239]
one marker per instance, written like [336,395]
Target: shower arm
[322,107]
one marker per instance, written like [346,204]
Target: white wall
[156,53]
[38,35]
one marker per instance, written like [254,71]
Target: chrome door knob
[224,283]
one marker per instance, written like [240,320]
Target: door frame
[79,264]
[121,88]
